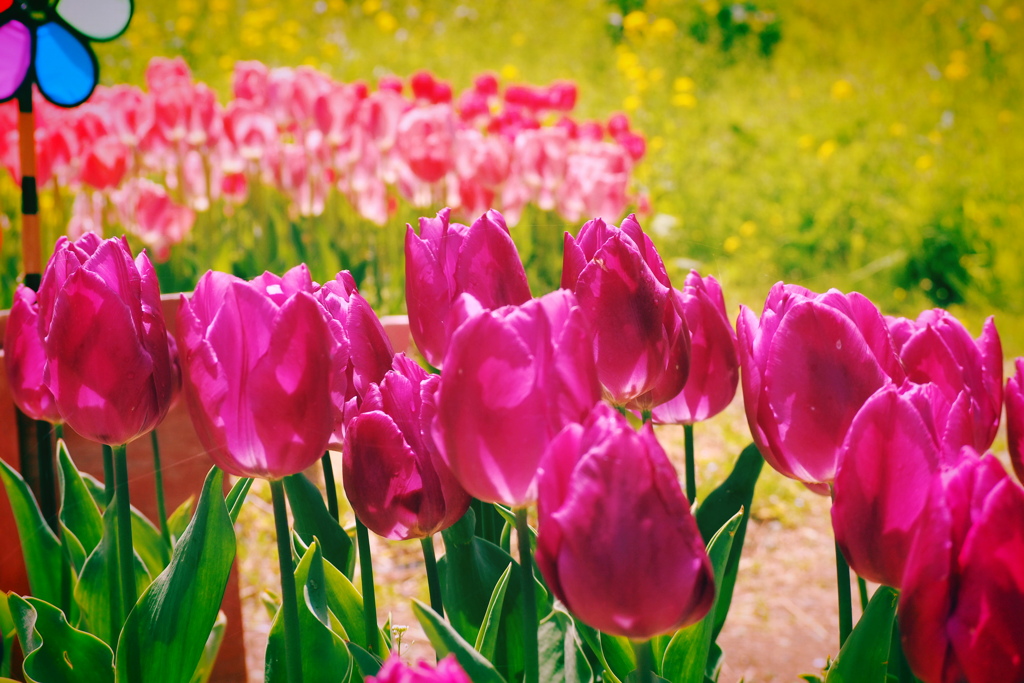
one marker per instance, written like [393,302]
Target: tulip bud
[962,599]
[108,356]
[518,375]
[396,671]
[641,341]
[809,364]
[259,367]
[616,541]
[1014,417]
[25,359]
[396,482]
[714,364]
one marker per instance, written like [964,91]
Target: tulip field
[601,341]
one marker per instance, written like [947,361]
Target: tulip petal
[489,267]
[66,70]
[16,45]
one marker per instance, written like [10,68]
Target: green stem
[369,597]
[433,580]
[161,506]
[108,474]
[125,553]
[644,660]
[47,476]
[332,488]
[691,469]
[58,429]
[845,597]
[292,642]
[529,598]
[862,587]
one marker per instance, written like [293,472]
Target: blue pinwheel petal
[16,46]
[66,69]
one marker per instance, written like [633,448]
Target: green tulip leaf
[446,640]
[55,652]
[72,548]
[325,657]
[39,545]
[148,543]
[634,677]
[732,495]
[209,658]
[686,656]
[865,656]
[616,659]
[312,518]
[366,662]
[487,639]
[96,490]
[346,604]
[7,635]
[180,518]
[236,497]
[561,651]
[171,623]
[78,511]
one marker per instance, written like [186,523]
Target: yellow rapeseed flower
[371,7]
[897,129]
[685,100]
[1005,117]
[184,24]
[748,228]
[935,137]
[663,27]
[1013,13]
[634,22]
[956,71]
[631,103]
[509,72]
[684,84]
[732,244]
[795,92]
[805,141]
[842,90]
[386,22]
[924,162]
[656,143]
[987,31]
[220,6]
[656,74]
[518,39]
[711,7]
[626,60]
[827,149]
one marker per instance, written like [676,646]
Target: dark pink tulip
[616,541]
[1014,417]
[396,671]
[258,363]
[809,364]
[396,482]
[641,341]
[148,212]
[937,348]
[25,359]
[714,363]
[963,590]
[517,375]
[899,441]
[448,259]
[249,81]
[105,163]
[108,355]
[424,140]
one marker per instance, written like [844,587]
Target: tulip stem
[366,577]
[47,478]
[161,505]
[644,651]
[108,473]
[862,587]
[845,597]
[289,607]
[691,469]
[125,554]
[332,488]
[433,580]
[529,598]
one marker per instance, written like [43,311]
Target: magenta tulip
[714,363]
[396,671]
[616,541]
[25,359]
[396,482]
[518,374]
[963,591]
[899,441]
[937,348]
[1014,417]
[641,340]
[809,364]
[108,356]
[259,366]
[447,259]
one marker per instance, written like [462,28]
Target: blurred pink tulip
[615,539]
[105,164]
[1014,418]
[25,359]
[398,485]
[809,364]
[898,442]
[641,341]
[963,589]
[108,355]
[518,374]
[447,259]
[258,363]
[396,671]
[937,348]
[714,362]
[147,211]
[425,137]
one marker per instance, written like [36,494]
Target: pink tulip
[1014,418]
[25,359]
[714,363]
[425,141]
[258,362]
[963,589]
[641,341]
[937,348]
[448,259]
[396,671]
[249,82]
[809,364]
[105,164]
[616,541]
[147,211]
[518,374]
[108,355]
[396,482]
[898,442]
